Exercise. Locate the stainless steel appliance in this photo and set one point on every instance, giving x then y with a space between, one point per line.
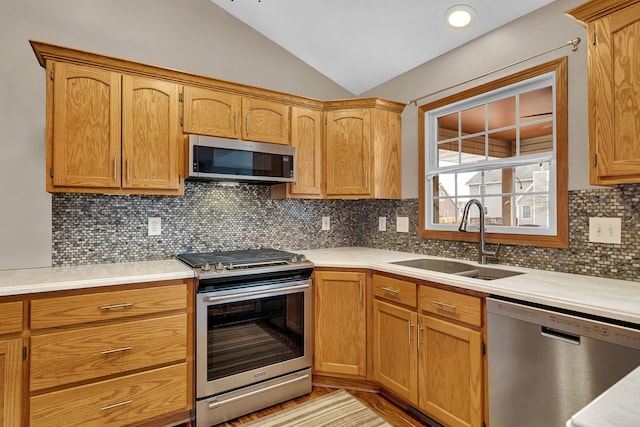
220 159
253 331
546 364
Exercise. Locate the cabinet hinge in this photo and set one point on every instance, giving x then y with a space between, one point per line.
51 172
593 39
595 160
24 353
181 97
484 424
483 349
181 121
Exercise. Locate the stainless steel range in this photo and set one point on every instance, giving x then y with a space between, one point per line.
253 331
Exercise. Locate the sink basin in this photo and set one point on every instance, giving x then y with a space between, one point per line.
458 268
440 265
486 273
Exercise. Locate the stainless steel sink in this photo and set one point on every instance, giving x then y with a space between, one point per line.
458 268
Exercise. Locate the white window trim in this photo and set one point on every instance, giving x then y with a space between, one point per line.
431 154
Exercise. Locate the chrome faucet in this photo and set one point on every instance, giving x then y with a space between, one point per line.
483 254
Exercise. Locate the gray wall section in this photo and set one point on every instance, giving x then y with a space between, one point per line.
190 35
530 35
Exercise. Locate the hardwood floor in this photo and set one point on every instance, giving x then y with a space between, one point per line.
393 414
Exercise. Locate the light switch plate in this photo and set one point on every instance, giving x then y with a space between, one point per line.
382 223
605 230
402 224
155 226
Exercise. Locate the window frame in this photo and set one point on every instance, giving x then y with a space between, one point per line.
559 239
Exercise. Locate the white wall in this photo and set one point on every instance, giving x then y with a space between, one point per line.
188 35
533 34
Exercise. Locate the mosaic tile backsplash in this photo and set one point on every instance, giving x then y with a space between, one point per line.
91 229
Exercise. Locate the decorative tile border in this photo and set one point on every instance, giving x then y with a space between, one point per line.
91 229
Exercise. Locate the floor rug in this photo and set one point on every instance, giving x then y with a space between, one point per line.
335 409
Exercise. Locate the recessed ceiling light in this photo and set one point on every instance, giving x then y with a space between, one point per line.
460 15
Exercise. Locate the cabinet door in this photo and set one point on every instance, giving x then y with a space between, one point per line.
86 126
265 121
340 323
306 137
450 373
150 134
348 160
395 359
10 382
213 113
615 97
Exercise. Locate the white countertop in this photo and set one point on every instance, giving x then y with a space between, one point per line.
617 407
615 299
32 280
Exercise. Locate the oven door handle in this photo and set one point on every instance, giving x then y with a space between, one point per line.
255 293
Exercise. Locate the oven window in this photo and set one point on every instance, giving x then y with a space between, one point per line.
247 335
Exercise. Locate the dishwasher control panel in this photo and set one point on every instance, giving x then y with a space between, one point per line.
567 323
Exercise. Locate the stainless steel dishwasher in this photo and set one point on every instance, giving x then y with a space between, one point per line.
545 365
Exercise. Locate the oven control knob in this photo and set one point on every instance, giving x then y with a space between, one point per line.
230 266
294 259
302 258
219 266
206 266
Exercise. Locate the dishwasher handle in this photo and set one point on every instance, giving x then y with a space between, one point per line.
559 335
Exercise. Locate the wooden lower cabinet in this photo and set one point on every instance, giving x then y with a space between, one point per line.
395 356
111 357
10 382
340 323
450 373
118 402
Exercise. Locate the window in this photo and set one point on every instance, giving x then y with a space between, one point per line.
505 144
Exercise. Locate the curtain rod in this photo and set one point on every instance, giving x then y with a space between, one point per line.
573 42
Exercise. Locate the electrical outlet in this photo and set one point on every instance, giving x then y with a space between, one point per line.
382 223
402 224
326 224
155 226
605 230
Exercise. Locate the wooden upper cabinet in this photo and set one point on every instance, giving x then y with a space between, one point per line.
215 113
614 89
210 112
86 123
362 156
306 137
150 134
348 160
265 121
111 132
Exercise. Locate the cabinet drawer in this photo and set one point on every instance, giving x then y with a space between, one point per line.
116 402
396 290
78 309
11 317
78 355
462 307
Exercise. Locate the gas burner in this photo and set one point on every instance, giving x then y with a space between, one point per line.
240 262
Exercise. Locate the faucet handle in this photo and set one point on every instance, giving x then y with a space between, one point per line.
493 253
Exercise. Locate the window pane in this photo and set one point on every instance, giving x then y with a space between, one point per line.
532 178
472 120
502 144
536 105
448 127
448 154
533 211
497 213
536 138
473 149
502 113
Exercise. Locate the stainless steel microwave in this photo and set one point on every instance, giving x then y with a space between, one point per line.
220 159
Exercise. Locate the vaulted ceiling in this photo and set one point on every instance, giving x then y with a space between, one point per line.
361 44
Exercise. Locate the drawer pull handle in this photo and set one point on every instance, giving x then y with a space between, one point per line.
116 405
111 307
117 350
393 291
442 304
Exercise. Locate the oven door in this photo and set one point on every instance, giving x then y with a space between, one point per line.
251 333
